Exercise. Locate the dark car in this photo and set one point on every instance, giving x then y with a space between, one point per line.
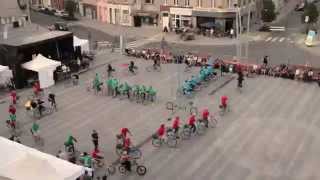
61 26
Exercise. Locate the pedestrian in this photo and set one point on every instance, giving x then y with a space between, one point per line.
231 32
95 139
13 95
211 32
265 60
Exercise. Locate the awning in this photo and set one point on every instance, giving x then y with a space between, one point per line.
83 43
215 14
5 74
145 13
181 11
24 163
44 67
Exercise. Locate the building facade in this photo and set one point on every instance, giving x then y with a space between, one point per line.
57 4
88 8
12 13
196 13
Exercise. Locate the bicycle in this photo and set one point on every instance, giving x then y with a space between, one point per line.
223 109
187 132
171 140
134 152
171 106
141 170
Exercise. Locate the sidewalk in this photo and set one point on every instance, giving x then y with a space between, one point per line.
117 30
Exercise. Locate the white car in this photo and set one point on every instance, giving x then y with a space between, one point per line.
60 13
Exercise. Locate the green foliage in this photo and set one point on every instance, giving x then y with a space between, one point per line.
70 7
311 11
268 13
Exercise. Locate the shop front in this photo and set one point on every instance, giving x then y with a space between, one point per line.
180 17
145 18
222 21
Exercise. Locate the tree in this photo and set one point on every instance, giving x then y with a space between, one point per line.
70 7
268 13
311 11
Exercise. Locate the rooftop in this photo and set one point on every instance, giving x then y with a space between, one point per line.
29 34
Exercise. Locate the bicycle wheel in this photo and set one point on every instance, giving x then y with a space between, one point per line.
141 170
156 142
200 129
186 133
213 122
172 142
122 169
111 170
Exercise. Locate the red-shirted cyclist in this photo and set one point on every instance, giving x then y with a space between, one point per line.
176 125
224 101
192 123
205 116
161 131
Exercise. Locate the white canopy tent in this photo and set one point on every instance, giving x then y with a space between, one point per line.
21 162
83 43
5 74
44 67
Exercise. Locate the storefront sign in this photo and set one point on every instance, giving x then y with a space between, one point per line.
181 11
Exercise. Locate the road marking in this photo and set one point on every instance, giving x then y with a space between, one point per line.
268 39
274 39
281 39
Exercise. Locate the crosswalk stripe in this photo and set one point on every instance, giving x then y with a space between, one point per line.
274 39
268 39
281 39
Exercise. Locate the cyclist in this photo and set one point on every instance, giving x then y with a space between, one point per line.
12 121
110 70
125 160
12 109
240 79
96 83
35 129
205 116
132 67
86 160
224 101
124 132
97 156
52 100
187 87
151 93
176 125
69 144
127 144
192 123
156 63
161 131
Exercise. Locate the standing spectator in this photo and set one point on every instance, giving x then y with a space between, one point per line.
95 139
265 60
231 32
211 32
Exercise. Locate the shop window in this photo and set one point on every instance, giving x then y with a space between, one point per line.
148 1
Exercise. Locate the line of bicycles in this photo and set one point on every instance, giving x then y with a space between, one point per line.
198 82
135 93
173 135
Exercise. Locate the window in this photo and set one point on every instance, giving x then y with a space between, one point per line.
199 3
187 2
165 2
148 1
125 16
175 2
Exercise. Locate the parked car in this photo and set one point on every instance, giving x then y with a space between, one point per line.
61 13
59 26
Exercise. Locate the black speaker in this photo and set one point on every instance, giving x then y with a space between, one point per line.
15 24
